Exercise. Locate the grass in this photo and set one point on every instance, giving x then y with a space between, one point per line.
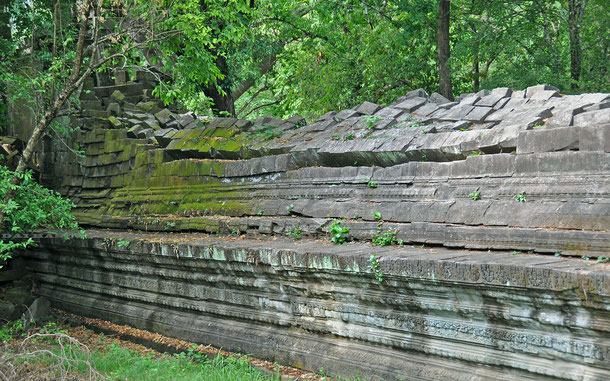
62 352
117 363
123 364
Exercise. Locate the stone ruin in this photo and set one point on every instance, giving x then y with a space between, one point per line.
499 200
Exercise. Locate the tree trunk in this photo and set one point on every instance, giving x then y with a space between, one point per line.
576 10
476 71
264 66
444 52
222 102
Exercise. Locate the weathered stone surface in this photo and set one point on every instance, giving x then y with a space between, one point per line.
558 139
592 118
164 116
532 90
478 113
7 311
417 93
389 113
120 77
37 311
438 99
439 313
18 295
115 122
411 104
368 108
113 109
595 138
427 109
118 96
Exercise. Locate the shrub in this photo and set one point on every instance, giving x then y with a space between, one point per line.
32 207
338 233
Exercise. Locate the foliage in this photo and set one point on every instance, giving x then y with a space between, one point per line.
338 233
376 268
476 195
33 207
10 329
386 239
338 54
520 197
289 208
124 244
295 233
371 121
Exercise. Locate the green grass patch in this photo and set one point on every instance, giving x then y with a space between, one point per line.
123 364
117 363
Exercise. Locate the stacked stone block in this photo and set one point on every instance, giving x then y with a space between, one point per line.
417 162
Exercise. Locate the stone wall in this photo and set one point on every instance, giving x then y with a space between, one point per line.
502 171
439 172
437 315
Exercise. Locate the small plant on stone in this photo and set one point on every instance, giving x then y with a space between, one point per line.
372 184
475 153
169 225
585 258
349 136
520 197
476 195
376 268
295 233
123 244
356 215
335 137
260 212
338 233
235 232
515 252
384 239
387 238
601 259
371 121
558 254
289 208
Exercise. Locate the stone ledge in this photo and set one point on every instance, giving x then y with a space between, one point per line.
311 304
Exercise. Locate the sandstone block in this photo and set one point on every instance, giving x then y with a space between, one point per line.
368 108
